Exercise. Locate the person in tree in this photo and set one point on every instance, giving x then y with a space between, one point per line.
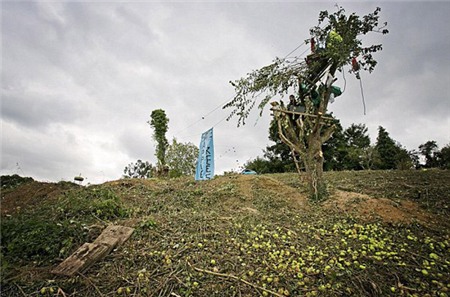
292 103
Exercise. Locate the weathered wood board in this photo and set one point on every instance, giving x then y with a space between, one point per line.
114 235
89 253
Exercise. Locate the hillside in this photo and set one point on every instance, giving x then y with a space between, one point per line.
381 233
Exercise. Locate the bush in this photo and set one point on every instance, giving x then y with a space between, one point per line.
38 238
100 202
13 181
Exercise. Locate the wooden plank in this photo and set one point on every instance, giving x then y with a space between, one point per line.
82 259
89 253
114 235
301 113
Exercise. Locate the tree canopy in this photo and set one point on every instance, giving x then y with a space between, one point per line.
140 169
181 158
160 124
338 38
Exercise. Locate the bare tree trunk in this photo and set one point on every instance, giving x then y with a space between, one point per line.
314 168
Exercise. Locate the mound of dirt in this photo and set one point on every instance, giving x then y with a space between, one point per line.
245 190
29 195
250 187
370 208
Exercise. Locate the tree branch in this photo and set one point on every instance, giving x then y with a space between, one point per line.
223 275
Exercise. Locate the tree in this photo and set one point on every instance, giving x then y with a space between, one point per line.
368 157
415 159
386 150
358 152
334 149
405 158
260 165
430 151
181 158
139 169
159 122
444 157
390 154
338 44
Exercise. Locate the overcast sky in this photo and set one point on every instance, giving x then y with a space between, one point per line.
80 79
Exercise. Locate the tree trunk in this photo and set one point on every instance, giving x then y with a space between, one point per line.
314 168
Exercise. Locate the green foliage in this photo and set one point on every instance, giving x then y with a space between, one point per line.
160 124
13 181
277 78
435 158
339 43
38 238
334 149
272 80
348 149
430 151
54 228
357 143
97 202
444 157
349 28
404 159
389 154
344 150
356 136
277 157
271 165
206 239
140 169
181 158
279 153
386 149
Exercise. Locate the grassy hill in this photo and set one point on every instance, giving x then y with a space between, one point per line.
381 233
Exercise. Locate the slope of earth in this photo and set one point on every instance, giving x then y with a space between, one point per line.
234 236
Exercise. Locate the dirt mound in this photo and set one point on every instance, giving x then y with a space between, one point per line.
369 208
133 183
252 188
30 194
241 193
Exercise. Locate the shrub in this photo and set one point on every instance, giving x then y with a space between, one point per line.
38 238
100 202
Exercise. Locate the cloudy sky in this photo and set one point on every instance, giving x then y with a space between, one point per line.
80 78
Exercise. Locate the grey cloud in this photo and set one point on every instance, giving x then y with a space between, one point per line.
38 110
138 143
96 71
52 155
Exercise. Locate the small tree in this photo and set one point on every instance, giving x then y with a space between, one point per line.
139 169
335 43
430 151
386 150
159 122
335 149
444 157
181 158
390 154
357 147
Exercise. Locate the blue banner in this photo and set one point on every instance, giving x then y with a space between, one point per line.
205 163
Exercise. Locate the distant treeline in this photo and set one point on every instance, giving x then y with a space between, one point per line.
351 149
